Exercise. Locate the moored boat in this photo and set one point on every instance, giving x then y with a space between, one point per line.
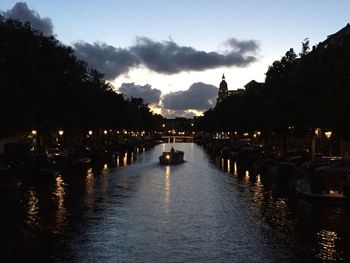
307 189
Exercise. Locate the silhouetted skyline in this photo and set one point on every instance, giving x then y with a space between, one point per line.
164 51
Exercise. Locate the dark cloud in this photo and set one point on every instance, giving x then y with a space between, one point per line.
20 11
243 46
109 60
168 57
165 57
199 96
149 95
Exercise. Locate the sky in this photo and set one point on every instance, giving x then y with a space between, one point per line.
173 53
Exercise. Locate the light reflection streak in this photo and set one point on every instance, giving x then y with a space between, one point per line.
104 180
246 176
282 215
118 164
125 159
89 182
235 173
105 169
327 247
60 196
258 191
222 164
33 208
132 157
167 184
228 165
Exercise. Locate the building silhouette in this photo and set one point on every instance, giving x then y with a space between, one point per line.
223 90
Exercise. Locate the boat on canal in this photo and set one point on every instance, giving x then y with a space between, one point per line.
172 157
304 189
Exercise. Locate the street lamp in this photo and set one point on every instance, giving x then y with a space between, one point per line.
60 132
328 134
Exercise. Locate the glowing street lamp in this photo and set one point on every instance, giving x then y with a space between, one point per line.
60 132
34 132
328 134
90 132
105 132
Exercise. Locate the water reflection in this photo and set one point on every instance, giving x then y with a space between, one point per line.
235 171
89 186
104 180
167 184
59 195
258 189
246 176
188 213
327 247
125 159
32 217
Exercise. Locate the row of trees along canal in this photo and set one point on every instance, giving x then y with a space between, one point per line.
45 87
302 93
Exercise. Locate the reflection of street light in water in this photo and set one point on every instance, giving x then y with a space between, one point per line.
235 172
327 245
167 184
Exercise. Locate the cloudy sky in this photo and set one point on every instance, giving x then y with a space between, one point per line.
173 53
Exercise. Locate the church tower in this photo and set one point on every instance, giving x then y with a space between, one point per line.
223 90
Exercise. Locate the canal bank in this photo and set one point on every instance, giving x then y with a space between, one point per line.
144 212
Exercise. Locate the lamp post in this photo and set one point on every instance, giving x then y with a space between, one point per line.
328 135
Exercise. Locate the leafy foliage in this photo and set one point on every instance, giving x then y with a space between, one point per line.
304 91
44 86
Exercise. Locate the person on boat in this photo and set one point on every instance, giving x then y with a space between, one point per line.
172 149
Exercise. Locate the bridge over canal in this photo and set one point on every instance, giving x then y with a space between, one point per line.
177 138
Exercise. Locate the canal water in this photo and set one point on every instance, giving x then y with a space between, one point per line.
145 212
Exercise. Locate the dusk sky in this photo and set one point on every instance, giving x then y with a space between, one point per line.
173 53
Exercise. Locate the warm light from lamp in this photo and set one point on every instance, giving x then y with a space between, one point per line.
60 132
34 132
168 156
90 132
328 134
105 131
317 131
245 134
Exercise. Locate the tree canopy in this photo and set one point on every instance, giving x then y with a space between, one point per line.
302 91
44 86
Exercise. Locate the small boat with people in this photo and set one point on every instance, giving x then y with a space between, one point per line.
172 157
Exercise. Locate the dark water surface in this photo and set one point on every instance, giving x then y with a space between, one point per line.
144 212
